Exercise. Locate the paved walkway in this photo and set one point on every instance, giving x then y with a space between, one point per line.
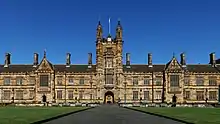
111 114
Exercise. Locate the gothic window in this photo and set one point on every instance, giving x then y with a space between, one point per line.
158 81
59 81
80 94
146 95
199 81
135 81
31 94
6 94
135 95
174 80
81 81
71 81
186 81
212 95
200 95
19 81
109 79
158 95
146 81
109 63
32 80
187 95
44 80
90 96
212 81
7 81
19 95
70 94
59 94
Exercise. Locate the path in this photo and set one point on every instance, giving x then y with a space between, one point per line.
111 114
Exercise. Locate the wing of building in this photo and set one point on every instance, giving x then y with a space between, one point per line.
109 80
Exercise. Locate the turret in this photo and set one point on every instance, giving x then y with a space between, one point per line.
119 31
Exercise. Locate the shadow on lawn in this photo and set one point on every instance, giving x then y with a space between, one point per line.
150 113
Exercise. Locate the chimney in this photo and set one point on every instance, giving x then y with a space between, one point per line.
89 60
128 60
212 59
35 59
7 59
183 60
150 60
68 61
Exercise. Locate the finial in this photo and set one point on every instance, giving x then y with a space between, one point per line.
44 53
173 55
119 21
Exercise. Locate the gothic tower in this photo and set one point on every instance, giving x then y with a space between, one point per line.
109 65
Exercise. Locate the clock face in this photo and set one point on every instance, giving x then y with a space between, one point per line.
109 39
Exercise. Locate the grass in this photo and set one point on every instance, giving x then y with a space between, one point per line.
26 115
193 115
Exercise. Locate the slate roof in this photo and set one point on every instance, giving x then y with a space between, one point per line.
133 68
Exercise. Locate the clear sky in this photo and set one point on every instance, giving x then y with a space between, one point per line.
162 27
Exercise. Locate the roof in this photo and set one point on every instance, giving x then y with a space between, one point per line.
144 68
133 68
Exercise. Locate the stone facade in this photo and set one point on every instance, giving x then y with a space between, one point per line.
109 80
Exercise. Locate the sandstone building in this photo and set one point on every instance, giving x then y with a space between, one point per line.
109 80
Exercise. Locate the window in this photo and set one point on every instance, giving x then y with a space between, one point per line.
31 94
109 79
135 81
158 95
199 95
80 94
146 95
90 96
19 94
7 95
59 94
44 80
158 81
212 81
146 81
135 95
174 80
109 63
70 94
32 80
212 95
19 81
59 81
186 81
7 81
199 81
81 81
71 81
187 95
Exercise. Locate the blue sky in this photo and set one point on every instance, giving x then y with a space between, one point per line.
162 27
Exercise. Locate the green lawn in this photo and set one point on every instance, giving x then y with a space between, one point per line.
194 115
26 115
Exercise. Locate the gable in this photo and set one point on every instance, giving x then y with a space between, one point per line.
45 65
173 65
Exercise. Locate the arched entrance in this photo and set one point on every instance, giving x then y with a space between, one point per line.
109 97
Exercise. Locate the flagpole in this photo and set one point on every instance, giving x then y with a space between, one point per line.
109 25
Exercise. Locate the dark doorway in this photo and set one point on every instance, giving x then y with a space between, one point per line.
109 97
174 98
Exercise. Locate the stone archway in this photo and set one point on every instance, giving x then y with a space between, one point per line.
109 97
